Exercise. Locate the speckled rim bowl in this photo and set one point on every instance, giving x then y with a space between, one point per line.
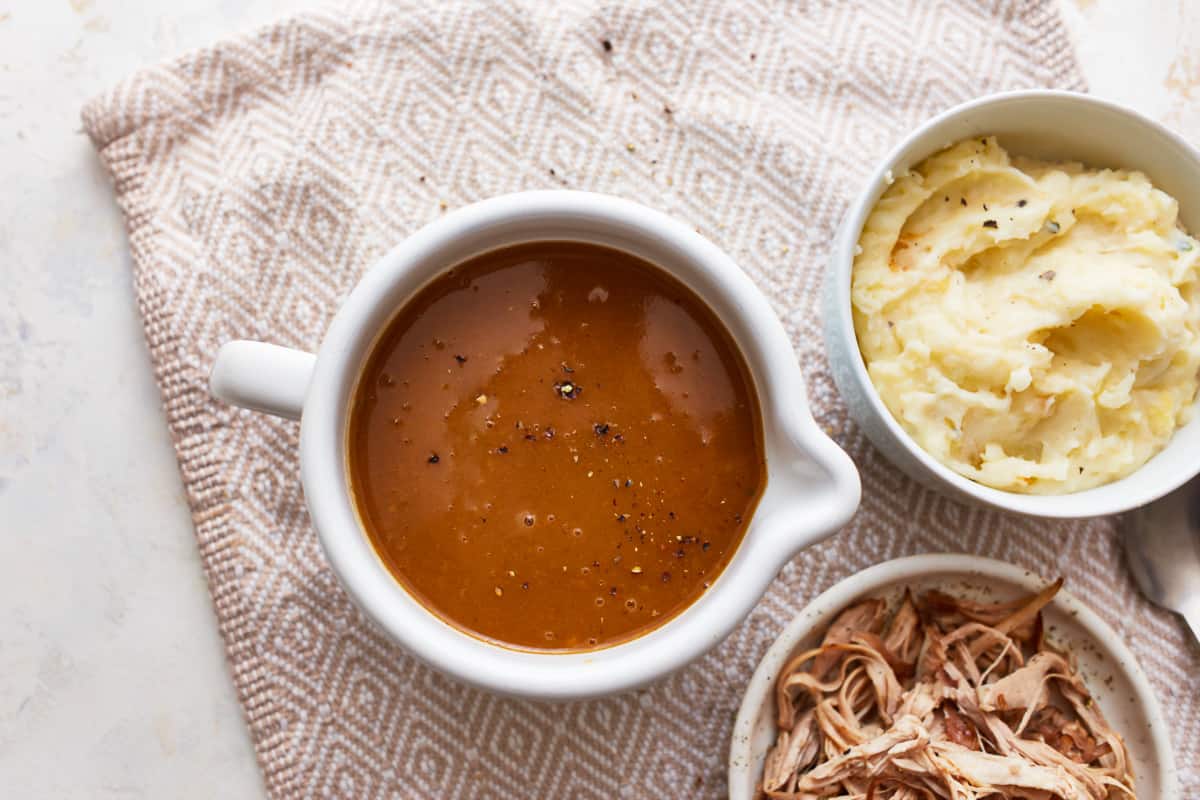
1045 124
1109 669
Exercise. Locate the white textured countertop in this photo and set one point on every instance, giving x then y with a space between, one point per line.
113 678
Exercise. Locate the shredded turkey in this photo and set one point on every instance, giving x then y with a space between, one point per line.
941 698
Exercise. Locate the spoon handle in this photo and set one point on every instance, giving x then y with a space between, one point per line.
1190 611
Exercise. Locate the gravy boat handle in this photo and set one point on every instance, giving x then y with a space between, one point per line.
262 377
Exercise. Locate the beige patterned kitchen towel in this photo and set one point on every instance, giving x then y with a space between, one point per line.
262 176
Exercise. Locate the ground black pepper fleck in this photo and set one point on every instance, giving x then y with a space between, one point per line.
601 428
990 223
962 200
460 359
1022 203
433 459
502 449
607 45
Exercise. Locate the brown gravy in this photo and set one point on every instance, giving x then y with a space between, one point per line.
556 446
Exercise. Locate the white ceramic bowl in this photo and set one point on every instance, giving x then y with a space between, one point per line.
812 486
1044 124
1112 675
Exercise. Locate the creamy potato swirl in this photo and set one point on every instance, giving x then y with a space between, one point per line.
1035 326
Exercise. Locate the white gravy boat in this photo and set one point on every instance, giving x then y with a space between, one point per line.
812 486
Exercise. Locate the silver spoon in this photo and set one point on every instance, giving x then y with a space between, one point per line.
1162 544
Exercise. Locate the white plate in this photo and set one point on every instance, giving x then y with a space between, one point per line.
1108 668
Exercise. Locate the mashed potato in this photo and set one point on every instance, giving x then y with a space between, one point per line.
1035 326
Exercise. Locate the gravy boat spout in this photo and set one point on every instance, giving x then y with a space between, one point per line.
813 489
